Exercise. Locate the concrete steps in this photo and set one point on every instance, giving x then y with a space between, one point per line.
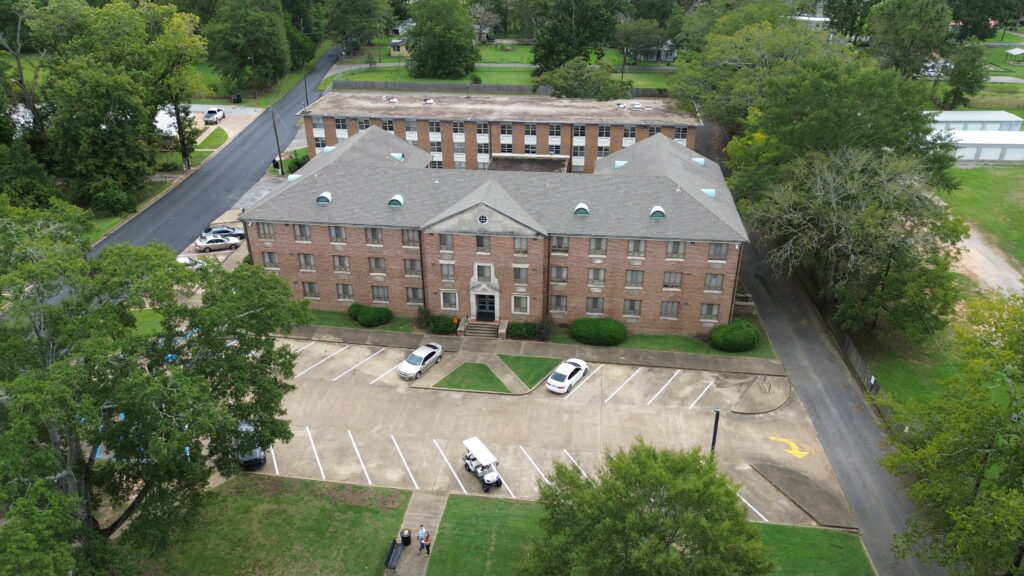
476 330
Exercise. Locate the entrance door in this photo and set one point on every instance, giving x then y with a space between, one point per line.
485 307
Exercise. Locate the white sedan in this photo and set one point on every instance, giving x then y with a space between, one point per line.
214 242
420 360
567 375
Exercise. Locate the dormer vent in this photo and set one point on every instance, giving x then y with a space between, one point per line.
324 198
657 212
398 156
699 161
619 164
581 209
710 192
293 177
396 201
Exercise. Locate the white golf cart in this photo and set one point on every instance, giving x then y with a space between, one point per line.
479 460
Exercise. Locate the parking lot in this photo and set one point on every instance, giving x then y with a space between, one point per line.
355 421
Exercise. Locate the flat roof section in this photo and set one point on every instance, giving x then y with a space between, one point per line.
976 116
541 109
988 138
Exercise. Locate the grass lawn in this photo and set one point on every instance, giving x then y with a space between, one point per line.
799 551
269 525
101 226
511 76
341 319
992 198
906 370
472 376
215 140
531 370
998 97
506 54
147 321
484 536
998 65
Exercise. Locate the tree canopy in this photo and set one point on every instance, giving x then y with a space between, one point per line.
577 79
907 33
352 23
648 511
442 40
848 17
980 18
638 36
249 43
574 28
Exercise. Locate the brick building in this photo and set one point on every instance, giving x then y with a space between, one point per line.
651 238
469 131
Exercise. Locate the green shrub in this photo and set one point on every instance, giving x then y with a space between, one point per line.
370 316
423 318
443 324
296 162
737 336
599 331
545 327
522 330
353 311
476 79
247 259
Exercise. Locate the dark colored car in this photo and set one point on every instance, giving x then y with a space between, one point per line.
249 458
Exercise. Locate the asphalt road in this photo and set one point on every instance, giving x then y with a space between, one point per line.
846 426
178 217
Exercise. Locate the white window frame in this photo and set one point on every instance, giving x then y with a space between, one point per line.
453 293
525 297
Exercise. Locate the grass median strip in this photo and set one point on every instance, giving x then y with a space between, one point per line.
530 369
216 138
472 376
488 536
798 551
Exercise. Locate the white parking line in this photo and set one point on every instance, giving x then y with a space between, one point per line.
635 372
454 475
577 387
653 398
535 467
505 484
360 457
311 342
322 361
761 516
577 464
402 456
712 383
273 458
315 455
393 368
357 365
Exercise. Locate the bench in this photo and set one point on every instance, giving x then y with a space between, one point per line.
394 553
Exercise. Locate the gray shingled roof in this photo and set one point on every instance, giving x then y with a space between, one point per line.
620 201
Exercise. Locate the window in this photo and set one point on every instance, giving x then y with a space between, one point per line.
445 242
554 149
520 246
598 246
717 251
379 293
458 127
629 131
449 300
673 280
412 267
482 128
265 230
337 233
636 248
433 126
270 260
448 272
670 309
530 129
483 244
558 303
410 125
713 282
506 148
579 130
631 307
388 125
318 122
634 278
559 244
595 276
410 237
435 146
602 151
319 142
520 274
414 295
578 151
301 232
709 312
345 291
559 274
364 123
310 290
340 124
341 264
483 148
520 304
374 236
436 164
595 305
459 147
460 165
307 262
681 133
377 265
506 128
555 130
529 148
675 249
604 131
483 272
652 130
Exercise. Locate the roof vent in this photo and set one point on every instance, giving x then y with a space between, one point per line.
293 177
620 106
428 100
711 192
657 212
638 106
393 100
582 209
398 156
396 201
329 149
324 198
620 164
699 161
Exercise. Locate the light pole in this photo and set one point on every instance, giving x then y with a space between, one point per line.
714 433
252 72
277 141
305 90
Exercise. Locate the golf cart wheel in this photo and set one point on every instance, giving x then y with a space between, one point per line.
467 467
487 487
498 483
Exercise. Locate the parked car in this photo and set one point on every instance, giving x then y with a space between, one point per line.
191 263
253 458
214 115
566 375
221 230
214 242
420 360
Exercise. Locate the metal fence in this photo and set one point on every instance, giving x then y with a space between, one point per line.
382 86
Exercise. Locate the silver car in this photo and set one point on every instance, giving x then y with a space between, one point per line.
214 242
420 360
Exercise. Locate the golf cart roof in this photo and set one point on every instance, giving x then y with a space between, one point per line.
482 454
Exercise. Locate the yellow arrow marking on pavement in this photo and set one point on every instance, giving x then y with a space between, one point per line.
793 448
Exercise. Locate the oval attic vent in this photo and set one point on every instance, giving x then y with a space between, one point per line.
657 212
324 198
396 201
582 209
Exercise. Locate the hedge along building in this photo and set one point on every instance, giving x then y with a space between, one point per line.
652 238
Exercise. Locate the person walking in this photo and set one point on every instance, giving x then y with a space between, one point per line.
421 534
426 543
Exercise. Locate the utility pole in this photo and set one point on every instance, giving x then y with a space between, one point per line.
305 90
277 141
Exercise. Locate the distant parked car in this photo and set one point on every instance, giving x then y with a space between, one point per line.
566 375
224 231
214 242
214 115
191 263
420 361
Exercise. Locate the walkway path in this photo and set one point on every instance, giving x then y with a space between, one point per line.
425 508
988 266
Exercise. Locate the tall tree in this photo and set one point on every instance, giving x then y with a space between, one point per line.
723 17
907 33
649 511
577 79
574 28
352 23
638 36
981 18
969 73
848 17
442 40
248 43
865 226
